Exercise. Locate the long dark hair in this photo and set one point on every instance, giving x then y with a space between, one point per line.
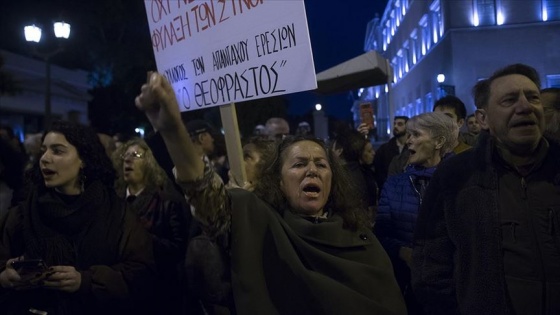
97 165
343 200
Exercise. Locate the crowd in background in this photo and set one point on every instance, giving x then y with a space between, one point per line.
457 213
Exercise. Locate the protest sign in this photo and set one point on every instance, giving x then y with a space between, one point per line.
217 52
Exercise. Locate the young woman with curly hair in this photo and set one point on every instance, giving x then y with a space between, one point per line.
99 258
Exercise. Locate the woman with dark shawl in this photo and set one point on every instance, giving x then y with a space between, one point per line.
99 259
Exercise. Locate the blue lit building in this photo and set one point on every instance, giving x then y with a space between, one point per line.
465 41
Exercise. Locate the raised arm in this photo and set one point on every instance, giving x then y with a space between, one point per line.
204 190
157 100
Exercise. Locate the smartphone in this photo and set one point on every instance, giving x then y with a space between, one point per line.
29 265
366 114
31 271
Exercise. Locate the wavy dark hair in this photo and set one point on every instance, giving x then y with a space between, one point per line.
97 165
265 147
353 145
343 200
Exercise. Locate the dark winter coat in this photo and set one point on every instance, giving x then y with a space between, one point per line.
458 259
398 208
95 234
162 212
383 157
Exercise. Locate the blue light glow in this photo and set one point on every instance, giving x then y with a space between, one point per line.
475 20
500 18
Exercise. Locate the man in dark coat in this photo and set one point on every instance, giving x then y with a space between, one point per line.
389 150
488 237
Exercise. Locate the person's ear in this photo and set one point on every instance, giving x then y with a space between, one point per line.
482 119
282 186
200 138
460 122
439 142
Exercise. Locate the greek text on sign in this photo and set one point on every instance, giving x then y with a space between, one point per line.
217 52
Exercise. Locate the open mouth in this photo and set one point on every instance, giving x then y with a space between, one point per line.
128 169
311 190
524 123
47 172
412 152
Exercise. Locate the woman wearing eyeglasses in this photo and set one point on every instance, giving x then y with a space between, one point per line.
161 209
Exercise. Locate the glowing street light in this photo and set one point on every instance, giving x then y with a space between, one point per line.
33 34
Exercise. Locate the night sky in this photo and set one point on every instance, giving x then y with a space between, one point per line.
337 31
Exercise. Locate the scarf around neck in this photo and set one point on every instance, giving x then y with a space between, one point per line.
55 231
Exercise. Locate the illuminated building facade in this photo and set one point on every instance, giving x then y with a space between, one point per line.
457 43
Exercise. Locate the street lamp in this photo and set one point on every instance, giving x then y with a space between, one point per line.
320 123
444 89
33 34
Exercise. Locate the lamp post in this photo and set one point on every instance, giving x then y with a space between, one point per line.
440 79
444 89
33 34
320 123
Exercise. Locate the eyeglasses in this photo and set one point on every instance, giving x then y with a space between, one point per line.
133 155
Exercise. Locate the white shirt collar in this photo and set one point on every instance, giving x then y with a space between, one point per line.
137 194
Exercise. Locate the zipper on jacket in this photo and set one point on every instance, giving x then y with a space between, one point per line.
524 187
415 189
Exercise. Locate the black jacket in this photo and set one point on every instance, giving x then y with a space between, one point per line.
458 261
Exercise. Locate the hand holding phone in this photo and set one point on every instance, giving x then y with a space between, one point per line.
31 271
366 115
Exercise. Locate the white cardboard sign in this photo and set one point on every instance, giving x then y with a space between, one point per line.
218 52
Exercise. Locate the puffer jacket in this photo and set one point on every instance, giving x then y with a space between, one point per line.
400 200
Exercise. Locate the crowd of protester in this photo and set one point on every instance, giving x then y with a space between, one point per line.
435 221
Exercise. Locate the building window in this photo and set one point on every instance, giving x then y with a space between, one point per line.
553 80
484 12
387 32
398 12
437 23
428 103
419 46
393 24
550 10
395 69
419 108
413 53
407 55
384 39
400 63
500 16
426 39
